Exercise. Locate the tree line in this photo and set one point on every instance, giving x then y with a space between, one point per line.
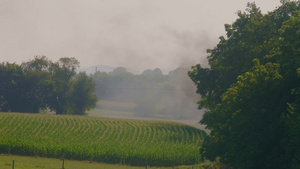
153 93
41 84
251 90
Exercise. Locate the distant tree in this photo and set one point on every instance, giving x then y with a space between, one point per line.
81 95
11 88
39 63
61 74
119 70
37 83
155 72
155 94
153 76
101 79
25 87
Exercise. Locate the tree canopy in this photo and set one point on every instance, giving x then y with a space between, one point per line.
40 84
251 90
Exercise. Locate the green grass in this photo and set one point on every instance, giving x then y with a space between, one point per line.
157 143
24 162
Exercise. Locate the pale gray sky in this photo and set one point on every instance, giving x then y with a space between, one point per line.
139 34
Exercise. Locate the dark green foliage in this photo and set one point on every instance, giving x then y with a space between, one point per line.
61 74
11 85
250 90
79 96
39 84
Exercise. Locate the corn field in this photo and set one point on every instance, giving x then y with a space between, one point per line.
133 142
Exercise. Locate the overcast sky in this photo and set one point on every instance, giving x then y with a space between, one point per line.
140 34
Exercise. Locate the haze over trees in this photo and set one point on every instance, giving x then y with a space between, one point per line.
251 90
153 94
40 84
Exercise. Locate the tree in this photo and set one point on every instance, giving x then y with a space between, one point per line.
11 90
25 87
81 95
247 90
287 54
37 83
61 73
232 56
245 125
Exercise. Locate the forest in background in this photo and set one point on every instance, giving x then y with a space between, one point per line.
151 93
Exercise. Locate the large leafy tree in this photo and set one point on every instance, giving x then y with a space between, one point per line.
61 72
11 81
287 54
22 88
250 90
25 87
81 95
37 83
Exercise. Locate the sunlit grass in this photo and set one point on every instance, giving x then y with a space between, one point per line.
24 162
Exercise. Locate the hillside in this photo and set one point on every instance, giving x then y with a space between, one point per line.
136 142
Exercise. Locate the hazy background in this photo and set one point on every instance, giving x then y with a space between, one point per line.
140 34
